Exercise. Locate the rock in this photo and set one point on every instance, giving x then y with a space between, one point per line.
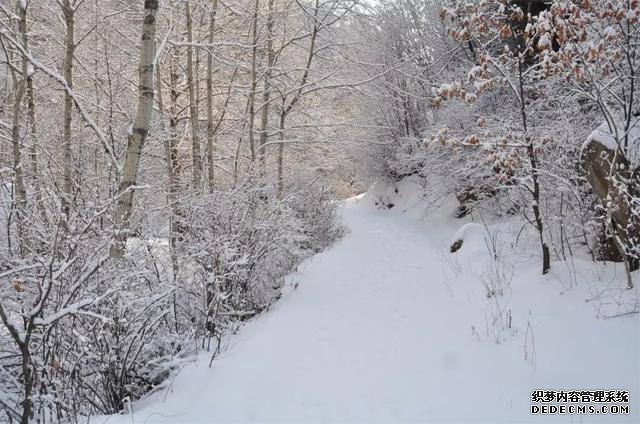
606 169
455 246
468 231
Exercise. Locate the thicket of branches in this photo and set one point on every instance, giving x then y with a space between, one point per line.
504 98
163 166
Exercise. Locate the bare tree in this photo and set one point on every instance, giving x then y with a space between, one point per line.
20 85
140 128
193 106
68 11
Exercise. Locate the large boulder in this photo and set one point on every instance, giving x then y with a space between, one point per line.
611 174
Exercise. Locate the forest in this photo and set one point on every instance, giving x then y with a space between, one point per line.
167 165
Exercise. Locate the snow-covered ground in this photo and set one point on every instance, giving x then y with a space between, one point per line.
388 326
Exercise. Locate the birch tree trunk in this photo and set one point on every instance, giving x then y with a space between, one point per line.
140 129
171 177
171 145
173 121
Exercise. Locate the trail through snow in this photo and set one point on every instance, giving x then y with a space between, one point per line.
378 330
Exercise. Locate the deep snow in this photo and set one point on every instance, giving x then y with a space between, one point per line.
388 326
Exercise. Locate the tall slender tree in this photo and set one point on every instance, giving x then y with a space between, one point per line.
140 127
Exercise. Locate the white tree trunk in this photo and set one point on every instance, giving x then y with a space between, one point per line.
140 128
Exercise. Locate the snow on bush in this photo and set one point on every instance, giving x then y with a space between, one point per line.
84 331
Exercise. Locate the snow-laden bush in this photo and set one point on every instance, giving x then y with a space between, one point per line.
233 253
85 331
318 212
82 330
239 244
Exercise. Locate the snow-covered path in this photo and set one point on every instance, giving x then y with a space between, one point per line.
377 332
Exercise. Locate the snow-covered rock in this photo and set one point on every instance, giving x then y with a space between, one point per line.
468 232
608 168
609 137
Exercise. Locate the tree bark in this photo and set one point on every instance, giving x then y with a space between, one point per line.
254 79
535 192
173 121
171 178
193 107
69 19
140 128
